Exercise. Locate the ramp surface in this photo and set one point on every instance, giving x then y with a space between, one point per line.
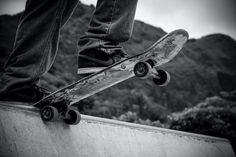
24 134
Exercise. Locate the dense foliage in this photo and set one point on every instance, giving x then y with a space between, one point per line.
216 116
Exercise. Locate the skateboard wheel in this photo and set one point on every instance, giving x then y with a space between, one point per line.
74 117
161 78
141 69
49 113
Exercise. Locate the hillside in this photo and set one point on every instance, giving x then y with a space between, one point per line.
204 67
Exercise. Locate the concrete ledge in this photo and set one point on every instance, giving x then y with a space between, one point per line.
24 134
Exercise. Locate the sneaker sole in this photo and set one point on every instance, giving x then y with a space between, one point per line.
89 70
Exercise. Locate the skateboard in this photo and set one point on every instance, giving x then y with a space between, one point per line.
59 103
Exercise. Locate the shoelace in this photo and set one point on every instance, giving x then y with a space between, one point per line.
118 55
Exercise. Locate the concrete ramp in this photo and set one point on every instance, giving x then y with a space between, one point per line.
24 134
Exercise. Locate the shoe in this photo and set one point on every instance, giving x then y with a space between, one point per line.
31 95
93 60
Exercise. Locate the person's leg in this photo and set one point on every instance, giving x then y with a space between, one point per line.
111 24
35 46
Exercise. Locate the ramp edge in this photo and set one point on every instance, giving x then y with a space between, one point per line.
19 106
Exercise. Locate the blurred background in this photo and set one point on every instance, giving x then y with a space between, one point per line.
201 96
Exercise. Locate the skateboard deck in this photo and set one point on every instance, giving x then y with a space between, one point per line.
141 65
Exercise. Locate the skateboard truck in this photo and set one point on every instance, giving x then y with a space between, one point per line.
62 111
145 69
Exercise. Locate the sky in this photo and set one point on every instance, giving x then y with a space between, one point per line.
198 17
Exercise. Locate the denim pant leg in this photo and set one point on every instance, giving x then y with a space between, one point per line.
36 43
111 23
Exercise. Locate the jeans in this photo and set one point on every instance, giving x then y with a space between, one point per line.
37 37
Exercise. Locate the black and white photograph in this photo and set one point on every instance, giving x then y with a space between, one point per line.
117 78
